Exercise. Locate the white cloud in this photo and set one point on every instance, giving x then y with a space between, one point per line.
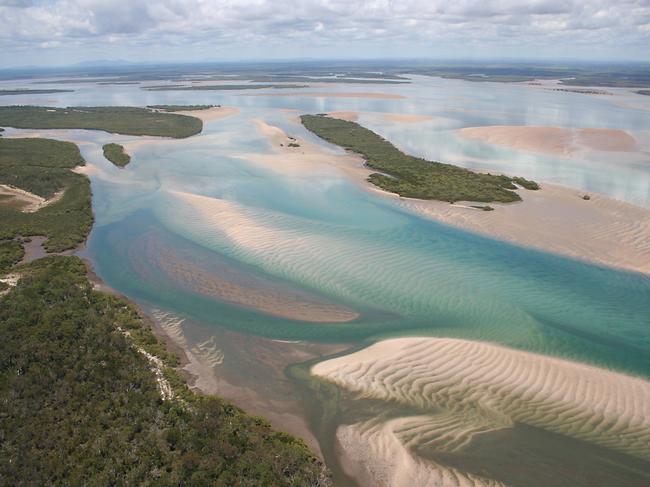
154 29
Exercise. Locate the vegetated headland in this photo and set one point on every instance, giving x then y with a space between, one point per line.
90 395
411 176
31 92
119 120
644 92
116 154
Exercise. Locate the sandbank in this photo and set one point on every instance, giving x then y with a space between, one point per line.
552 140
210 114
228 285
406 117
556 219
472 388
332 94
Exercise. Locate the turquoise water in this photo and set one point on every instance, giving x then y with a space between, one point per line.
317 232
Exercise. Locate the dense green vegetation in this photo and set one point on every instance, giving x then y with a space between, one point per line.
81 406
181 108
11 252
31 92
644 92
42 167
410 176
219 87
115 153
120 120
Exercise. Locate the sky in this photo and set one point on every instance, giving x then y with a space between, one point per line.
62 32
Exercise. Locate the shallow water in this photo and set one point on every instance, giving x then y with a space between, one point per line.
186 215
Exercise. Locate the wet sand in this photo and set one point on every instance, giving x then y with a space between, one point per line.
552 140
464 389
554 219
248 371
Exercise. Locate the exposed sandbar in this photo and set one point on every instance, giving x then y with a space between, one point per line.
471 388
406 117
552 140
210 114
557 219
256 293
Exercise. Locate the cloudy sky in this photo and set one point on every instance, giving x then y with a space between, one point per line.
70 31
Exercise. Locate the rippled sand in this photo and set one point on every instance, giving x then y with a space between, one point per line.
255 293
552 140
472 388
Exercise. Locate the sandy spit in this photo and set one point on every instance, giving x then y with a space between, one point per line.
552 140
210 114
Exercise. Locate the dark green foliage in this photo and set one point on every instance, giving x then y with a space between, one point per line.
11 252
412 176
80 405
31 92
181 108
644 92
115 153
42 166
120 120
294 144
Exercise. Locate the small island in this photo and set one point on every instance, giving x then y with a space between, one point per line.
118 120
116 154
414 177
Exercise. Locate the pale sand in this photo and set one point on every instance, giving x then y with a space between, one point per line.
554 219
330 94
210 114
473 387
552 140
28 202
557 219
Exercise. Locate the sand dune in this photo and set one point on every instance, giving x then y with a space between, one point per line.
489 386
552 140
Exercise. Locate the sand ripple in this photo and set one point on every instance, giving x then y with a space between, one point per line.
482 387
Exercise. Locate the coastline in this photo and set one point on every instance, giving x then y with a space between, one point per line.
555 219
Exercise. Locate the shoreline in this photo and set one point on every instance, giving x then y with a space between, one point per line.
555 219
